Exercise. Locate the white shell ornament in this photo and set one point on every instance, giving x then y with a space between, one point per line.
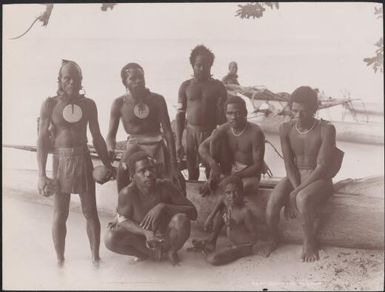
141 110
72 113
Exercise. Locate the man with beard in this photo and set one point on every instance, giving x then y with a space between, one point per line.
63 122
200 102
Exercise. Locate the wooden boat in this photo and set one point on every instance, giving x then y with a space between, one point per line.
353 217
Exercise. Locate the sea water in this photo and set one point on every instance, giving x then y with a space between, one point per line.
31 66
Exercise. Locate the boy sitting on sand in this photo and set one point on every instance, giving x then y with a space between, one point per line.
236 216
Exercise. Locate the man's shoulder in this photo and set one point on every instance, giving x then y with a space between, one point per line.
286 126
128 192
164 183
186 83
326 127
326 124
217 82
255 128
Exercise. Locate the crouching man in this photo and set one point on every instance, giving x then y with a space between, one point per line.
153 217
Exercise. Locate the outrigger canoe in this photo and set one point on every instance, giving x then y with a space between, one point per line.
356 132
353 217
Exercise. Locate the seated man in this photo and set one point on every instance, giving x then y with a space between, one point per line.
236 147
311 160
153 217
237 217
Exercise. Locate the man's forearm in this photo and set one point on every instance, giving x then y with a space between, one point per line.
316 174
111 143
188 210
180 120
171 148
292 175
101 149
132 227
42 153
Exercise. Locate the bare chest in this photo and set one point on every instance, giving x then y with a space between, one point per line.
202 93
70 114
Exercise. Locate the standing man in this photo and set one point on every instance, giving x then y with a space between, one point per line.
143 115
311 160
200 101
153 217
236 147
68 114
231 77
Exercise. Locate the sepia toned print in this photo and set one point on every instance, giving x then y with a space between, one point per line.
250 155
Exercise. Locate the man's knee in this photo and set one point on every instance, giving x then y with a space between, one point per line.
90 212
111 239
303 202
180 221
61 215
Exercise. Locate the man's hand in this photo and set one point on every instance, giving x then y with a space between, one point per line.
46 186
151 239
291 210
111 155
175 177
151 220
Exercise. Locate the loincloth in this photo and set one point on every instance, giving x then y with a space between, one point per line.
194 137
72 168
304 173
154 146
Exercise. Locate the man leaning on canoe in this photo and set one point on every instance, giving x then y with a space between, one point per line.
153 213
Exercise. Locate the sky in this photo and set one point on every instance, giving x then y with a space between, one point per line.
313 21
317 44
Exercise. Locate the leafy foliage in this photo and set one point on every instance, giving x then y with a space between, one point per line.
377 61
254 9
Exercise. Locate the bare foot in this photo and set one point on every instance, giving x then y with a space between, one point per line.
60 262
205 245
96 261
173 257
309 252
265 248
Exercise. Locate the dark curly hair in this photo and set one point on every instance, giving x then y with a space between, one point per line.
135 157
305 95
123 72
234 180
201 50
237 100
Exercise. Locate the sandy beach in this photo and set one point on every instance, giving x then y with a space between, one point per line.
29 260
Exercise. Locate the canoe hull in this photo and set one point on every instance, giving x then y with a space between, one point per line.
349 220
354 220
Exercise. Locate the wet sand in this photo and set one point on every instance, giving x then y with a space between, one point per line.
29 261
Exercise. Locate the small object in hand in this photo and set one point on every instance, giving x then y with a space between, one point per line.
50 188
101 174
